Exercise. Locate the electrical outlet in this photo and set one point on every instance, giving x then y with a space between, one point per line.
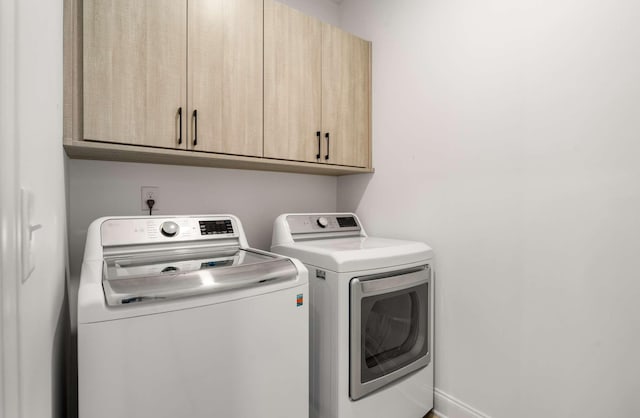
149 192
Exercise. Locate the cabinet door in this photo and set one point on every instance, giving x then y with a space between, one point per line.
225 76
134 75
292 83
346 82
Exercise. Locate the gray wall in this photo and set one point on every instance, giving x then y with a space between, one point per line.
506 136
103 188
326 10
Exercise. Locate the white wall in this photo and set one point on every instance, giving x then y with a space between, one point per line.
32 121
506 135
102 188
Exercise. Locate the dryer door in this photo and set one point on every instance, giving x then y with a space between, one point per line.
389 328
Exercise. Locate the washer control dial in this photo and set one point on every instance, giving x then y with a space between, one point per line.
169 229
322 222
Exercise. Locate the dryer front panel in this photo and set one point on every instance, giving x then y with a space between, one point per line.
389 323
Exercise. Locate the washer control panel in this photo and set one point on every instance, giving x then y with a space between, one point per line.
321 223
132 231
217 227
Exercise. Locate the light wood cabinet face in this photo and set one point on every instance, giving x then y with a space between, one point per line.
346 82
263 78
292 83
134 72
225 76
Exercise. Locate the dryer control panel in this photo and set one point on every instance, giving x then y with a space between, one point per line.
322 223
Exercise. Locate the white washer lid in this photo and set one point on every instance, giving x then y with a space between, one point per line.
356 253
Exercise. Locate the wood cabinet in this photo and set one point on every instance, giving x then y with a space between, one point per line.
346 81
292 83
225 76
228 83
317 90
135 74
135 77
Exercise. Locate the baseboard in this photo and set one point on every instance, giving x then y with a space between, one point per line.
446 406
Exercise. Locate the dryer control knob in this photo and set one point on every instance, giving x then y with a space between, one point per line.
322 222
169 229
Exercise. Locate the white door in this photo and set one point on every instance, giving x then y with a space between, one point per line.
33 310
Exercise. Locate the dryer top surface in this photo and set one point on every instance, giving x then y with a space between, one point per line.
356 253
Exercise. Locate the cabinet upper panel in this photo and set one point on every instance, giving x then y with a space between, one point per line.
134 73
293 83
225 75
346 82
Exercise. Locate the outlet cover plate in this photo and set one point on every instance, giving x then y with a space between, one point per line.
149 192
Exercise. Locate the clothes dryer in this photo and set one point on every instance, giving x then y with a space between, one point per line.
371 319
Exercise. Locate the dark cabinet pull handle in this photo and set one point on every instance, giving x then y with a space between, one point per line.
180 125
326 157
195 127
318 134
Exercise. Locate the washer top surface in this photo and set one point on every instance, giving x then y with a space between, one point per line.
136 266
340 248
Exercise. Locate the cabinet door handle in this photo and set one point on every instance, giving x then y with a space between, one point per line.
180 125
326 157
195 127
318 134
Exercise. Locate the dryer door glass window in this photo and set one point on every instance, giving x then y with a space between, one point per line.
390 331
389 327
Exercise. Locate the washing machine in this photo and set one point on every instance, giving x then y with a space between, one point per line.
371 319
178 317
